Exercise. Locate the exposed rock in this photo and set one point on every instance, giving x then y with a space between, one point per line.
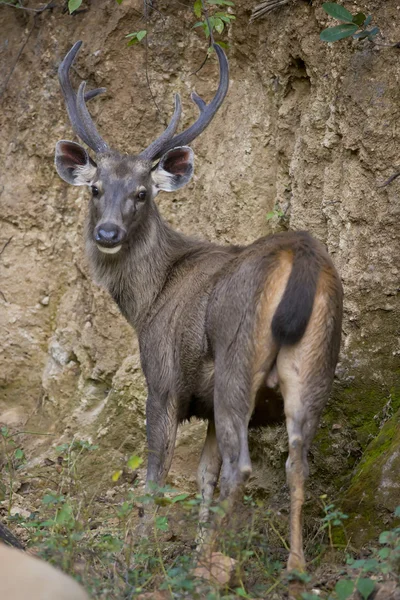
218 569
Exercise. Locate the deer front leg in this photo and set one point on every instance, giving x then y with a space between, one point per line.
207 478
162 425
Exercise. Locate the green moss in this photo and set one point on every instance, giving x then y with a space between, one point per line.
373 493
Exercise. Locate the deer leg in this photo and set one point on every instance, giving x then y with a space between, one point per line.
233 406
162 426
207 478
305 391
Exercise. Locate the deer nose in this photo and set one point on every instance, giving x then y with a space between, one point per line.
109 234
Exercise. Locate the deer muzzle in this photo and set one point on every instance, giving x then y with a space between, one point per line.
109 237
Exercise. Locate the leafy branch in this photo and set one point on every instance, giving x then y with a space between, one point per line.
355 26
217 21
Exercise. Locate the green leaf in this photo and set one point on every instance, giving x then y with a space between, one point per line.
52 499
337 12
119 1
19 454
359 19
220 2
309 596
64 516
344 588
365 587
385 537
132 42
197 8
179 498
333 34
222 44
367 20
162 523
384 553
140 35
397 512
116 475
219 25
228 19
73 5
135 461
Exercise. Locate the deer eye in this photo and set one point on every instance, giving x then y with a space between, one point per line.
142 195
95 190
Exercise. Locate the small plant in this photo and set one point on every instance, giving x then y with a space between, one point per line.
74 5
217 20
277 213
356 26
14 459
136 37
333 518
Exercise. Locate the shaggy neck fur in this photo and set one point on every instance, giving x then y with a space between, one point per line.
136 275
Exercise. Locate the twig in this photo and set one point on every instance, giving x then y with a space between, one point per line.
5 245
201 66
1 252
47 6
266 7
17 59
391 178
145 14
205 11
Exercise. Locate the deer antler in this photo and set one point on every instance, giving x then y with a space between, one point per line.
207 111
78 113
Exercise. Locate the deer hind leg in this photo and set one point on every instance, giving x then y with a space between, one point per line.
305 392
207 479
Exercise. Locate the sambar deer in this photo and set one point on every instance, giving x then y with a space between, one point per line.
218 326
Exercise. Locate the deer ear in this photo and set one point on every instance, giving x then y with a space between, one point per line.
174 170
74 164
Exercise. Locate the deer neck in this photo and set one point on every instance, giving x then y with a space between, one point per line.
137 274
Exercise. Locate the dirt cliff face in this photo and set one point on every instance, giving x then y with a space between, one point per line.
307 128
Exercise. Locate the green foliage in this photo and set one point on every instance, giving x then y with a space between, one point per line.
217 20
351 26
344 588
65 531
136 37
14 459
276 213
73 5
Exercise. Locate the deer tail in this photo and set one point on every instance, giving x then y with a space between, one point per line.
294 310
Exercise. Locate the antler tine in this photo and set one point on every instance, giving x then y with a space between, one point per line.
207 111
94 93
86 129
97 142
156 147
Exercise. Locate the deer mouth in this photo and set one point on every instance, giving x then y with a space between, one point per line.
109 250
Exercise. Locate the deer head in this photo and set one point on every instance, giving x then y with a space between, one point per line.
124 186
